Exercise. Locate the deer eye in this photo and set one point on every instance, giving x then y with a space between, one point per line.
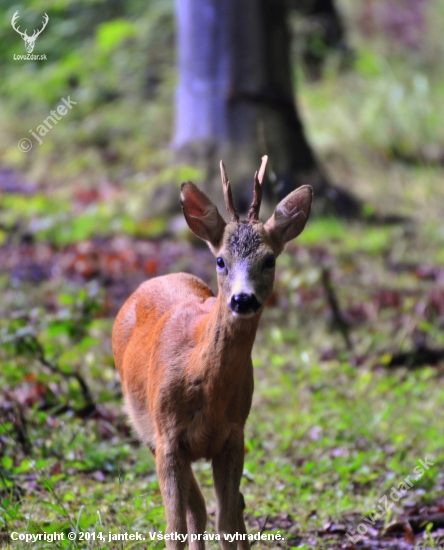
220 263
270 261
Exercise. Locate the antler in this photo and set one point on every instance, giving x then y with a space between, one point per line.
13 21
45 22
227 194
253 213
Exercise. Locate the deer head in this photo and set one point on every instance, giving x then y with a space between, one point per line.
245 250
29 40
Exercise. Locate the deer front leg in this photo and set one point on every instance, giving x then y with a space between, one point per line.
174 471
227 472
196 515
242 544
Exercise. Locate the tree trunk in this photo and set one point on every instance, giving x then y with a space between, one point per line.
235 96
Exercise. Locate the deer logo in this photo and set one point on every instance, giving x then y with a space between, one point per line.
29 40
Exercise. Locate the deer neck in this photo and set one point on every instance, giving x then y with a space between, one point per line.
227 340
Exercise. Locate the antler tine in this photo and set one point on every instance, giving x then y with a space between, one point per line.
263 168
45 22
227 194
14 21
253 213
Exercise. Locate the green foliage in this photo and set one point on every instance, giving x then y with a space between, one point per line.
111 34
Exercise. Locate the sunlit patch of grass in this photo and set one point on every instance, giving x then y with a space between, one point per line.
335 437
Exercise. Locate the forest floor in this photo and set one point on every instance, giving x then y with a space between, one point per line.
349 364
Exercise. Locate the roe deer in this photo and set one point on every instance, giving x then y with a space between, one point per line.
184 357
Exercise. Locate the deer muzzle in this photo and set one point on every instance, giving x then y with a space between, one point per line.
244 304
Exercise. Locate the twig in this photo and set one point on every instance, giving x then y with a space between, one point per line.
339 322
419 356
36 347
19 422
261 529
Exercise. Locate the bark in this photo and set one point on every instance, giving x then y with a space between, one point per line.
235 97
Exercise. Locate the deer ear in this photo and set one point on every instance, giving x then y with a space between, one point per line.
202 216
290 216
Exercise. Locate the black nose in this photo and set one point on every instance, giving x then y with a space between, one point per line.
244 303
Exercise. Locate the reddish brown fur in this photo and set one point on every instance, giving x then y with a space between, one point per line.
184 360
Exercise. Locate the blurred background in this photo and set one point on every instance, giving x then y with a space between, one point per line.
345 96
